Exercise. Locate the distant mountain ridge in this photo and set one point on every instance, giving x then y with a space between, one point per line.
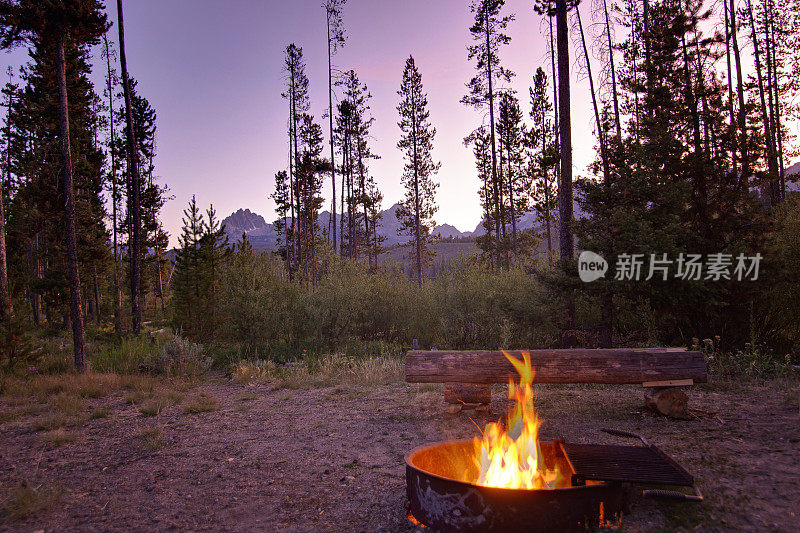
262 235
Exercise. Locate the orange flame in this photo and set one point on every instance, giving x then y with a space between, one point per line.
511 458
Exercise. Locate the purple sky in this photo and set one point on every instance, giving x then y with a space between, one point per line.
213 72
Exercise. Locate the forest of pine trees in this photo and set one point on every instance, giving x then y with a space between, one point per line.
67 146
692 115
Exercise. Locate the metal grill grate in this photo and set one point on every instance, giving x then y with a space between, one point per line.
634 464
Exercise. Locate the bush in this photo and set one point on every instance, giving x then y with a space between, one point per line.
358 311
755 360
179 357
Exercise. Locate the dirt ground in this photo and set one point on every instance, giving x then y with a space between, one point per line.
249 458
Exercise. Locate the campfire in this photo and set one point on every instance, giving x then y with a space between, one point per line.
507 480
511 457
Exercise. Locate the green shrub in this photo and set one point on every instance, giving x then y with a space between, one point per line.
358 311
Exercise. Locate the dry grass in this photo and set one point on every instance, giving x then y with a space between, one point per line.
152 438
101 412
139 391
68 403
202 403
55 420
89 385
162 398
10 415
27 499
328 370
59 437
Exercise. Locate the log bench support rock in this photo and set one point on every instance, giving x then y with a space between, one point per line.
468 375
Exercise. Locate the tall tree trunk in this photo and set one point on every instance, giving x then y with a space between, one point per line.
330 124
646 17
417 229
159 261
511 200
547 199
5 297
298 230
773 94
345 170
742 132
607 308
5 300
290 228
730 87
489 73
96 296
617 120
36 299
133 173
114 195
778 128
772 161
76 312
701 204
555 94
566 245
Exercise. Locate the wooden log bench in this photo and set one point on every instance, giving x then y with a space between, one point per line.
468 375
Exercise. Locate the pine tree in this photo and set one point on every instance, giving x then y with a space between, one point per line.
112 179
282 206
544 156
134 183
186 284
212 254
417 209
514 177
152 195
487 34
480 141
352 135
336 39
297 96
559 9
52 24
311 165
5 182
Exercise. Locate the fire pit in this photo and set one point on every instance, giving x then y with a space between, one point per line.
442 495
507 480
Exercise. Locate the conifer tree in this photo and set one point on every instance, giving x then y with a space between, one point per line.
336 39
544 156
352 135
559 9
488 36
282 206
417 209
56 24
480 141
186 277
113 180
213 252
5 296
310 168
511 136
297 96
134 183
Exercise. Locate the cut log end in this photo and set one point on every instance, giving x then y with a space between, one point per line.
467 393
668 401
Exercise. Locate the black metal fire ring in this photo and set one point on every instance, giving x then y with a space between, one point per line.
448 504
